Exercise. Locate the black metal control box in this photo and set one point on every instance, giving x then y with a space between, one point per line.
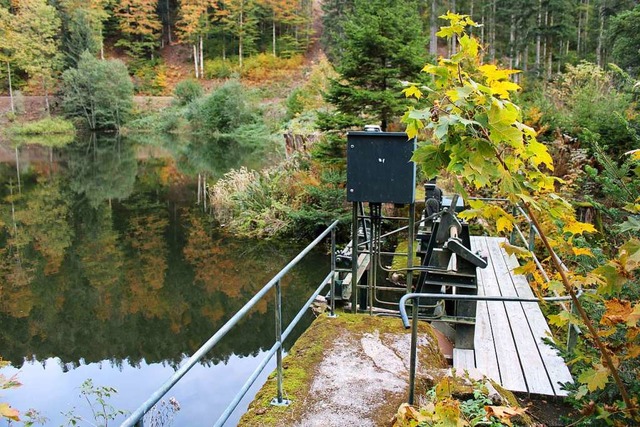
379 167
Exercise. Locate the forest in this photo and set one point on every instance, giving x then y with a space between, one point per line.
532 101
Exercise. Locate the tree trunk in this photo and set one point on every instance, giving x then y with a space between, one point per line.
539 35
168 24
492 39
433 29
195 60
512 40
47 107
241 33
273 33
13 108
579 33
201 59
599 49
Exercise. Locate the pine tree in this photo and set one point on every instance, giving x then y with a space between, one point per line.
383 45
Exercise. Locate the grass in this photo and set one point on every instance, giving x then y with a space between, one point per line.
46 126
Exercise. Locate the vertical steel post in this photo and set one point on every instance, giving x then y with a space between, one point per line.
279 400
354 259
572 335
412 221
414 349
532 237
512 236
333 273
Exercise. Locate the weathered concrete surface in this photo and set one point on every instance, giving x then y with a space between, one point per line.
352 370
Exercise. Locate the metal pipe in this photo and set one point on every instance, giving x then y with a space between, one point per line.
354 258
234 403
278 313
333 275
403 300
211 342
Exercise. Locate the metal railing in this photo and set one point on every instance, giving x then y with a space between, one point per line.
137 417
414 320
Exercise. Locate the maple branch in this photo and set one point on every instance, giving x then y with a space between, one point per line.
583 314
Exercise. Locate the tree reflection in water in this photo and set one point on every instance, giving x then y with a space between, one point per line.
104 257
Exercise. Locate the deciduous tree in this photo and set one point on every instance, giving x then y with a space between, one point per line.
99 91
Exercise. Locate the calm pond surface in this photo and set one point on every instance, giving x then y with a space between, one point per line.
112 271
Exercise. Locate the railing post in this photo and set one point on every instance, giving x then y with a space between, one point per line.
572 335
279 400
532 237
411 237
332 307
354 257
414 349
512 237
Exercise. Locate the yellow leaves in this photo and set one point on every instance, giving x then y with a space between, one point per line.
457 24
502 118
574 227
498 80
538 153
412 91
528 268
618 311
407 415
8 412
595 378
504 413
582 251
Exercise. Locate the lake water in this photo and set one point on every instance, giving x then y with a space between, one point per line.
111 270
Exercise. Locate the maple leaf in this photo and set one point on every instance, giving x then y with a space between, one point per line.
7 411
617 311
613 279
576 227
412 91
582 251
595 378
501 121
504 413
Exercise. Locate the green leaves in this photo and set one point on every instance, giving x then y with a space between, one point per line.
502 118
595 378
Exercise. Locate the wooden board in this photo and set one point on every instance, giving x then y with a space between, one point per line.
508 341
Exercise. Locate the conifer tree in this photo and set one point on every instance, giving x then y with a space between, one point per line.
382 46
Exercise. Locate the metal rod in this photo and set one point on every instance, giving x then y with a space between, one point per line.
234 404
412 222
414 351
354 258
333 275
236 401
211 342
279 339
405 298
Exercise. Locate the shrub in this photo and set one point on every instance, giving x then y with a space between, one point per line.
187 91
265 66
219 68
46 126
100 92
223 111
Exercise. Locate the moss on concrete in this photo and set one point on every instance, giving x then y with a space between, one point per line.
301 365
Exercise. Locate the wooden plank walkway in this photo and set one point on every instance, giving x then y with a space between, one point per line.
508 341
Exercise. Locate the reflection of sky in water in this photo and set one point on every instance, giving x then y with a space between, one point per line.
187 280
203 393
